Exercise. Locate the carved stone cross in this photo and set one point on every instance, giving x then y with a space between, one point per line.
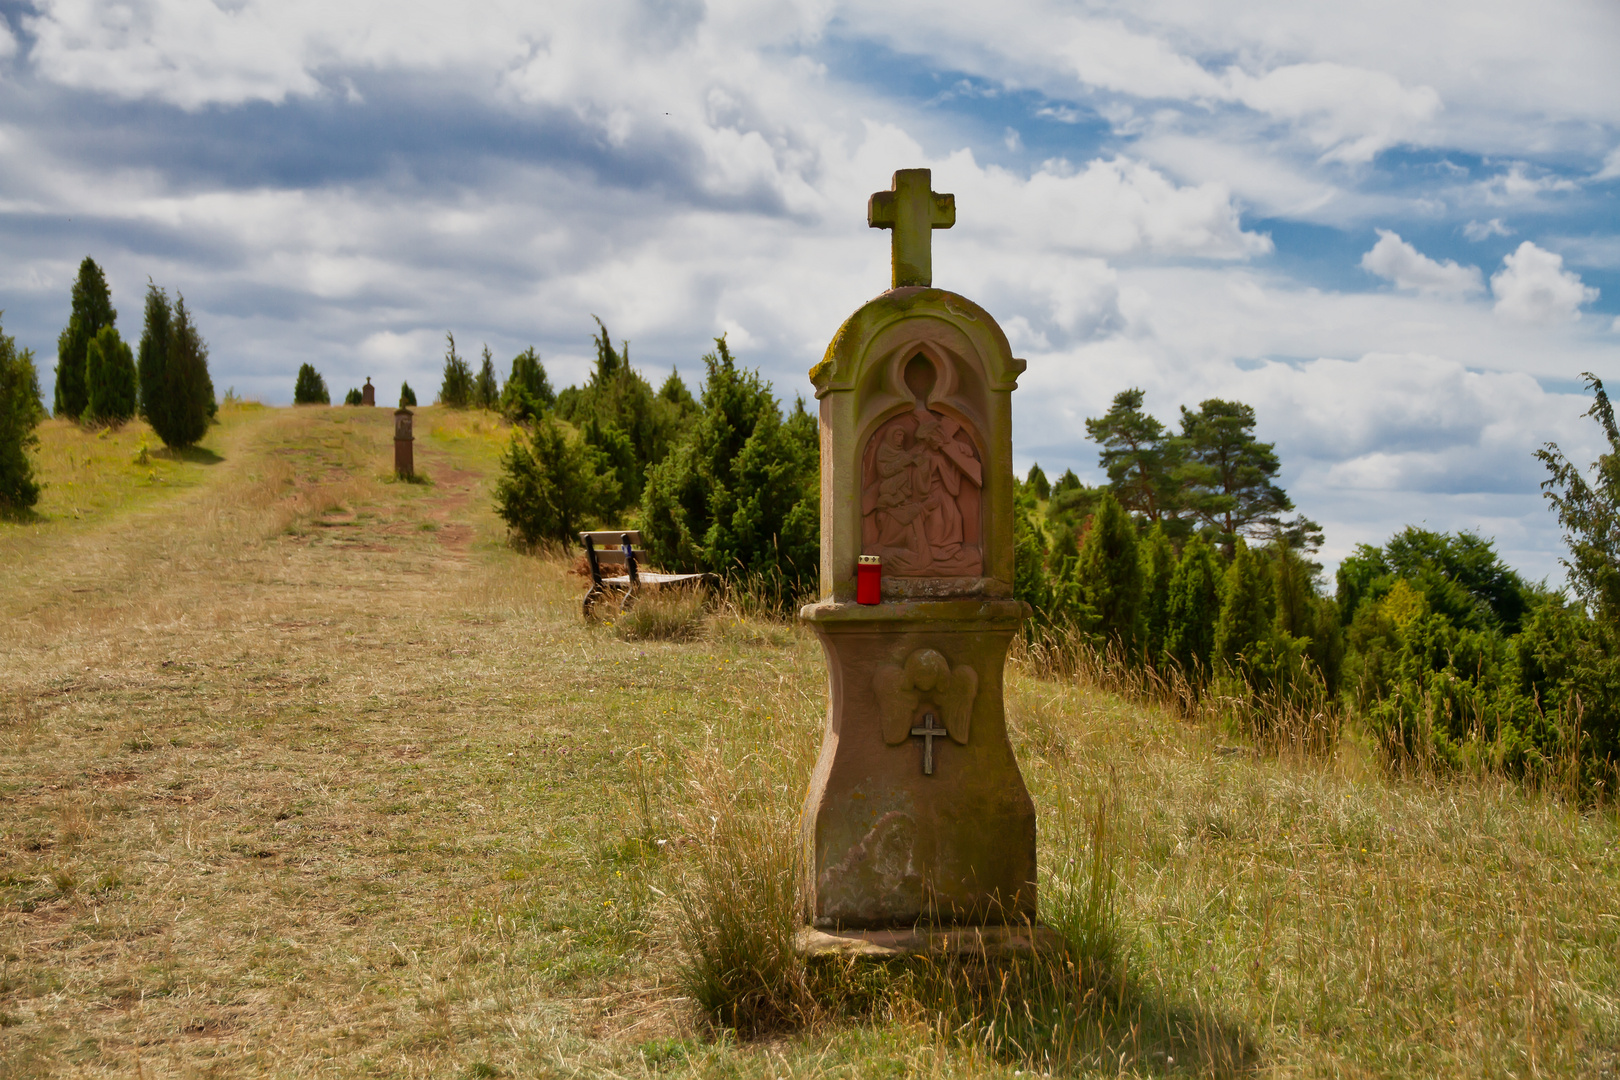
929 733
911 211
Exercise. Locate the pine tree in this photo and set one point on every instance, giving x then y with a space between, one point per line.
487 389
1226 473
1246 609
1193 608
92 310
1109 574
110 376
1139 457
20 410
456 389
152 369
310 387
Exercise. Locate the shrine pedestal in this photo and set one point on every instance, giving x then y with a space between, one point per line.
887 842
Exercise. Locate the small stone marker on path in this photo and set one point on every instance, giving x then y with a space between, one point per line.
919 834
368 393
404 458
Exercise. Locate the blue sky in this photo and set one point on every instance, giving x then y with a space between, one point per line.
1391 228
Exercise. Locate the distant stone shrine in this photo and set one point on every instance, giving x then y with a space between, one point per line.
368 393
918 831
404 455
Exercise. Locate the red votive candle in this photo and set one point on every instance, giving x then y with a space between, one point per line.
869 579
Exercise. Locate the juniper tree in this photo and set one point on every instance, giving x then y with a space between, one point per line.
20 409
310 387
1246 608
1037 483
675 392
527 393
740 491
407 396
153 365
92 310
550 483
487 388
1193 608
456 389
354 397
1158 568
1109 573
188 386
110 376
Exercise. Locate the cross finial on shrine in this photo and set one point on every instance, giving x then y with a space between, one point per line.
911 211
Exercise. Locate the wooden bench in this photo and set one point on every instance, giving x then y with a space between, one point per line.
622 548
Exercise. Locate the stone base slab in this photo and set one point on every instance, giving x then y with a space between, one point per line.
966 942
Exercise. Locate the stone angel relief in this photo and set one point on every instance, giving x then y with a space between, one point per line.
925 676
920 497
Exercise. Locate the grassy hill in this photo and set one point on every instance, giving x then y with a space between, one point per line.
303 771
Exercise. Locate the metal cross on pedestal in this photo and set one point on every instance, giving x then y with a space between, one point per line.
929 733
912 212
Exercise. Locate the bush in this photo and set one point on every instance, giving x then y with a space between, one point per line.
550 483
20 412
110 375
353 397
457 389
310 388
407 396
662 615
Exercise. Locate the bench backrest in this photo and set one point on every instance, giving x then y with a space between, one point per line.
605 547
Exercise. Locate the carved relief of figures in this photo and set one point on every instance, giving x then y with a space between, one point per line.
921 493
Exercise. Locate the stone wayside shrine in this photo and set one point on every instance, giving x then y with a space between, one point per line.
918 832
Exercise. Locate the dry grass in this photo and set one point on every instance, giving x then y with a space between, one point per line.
304 772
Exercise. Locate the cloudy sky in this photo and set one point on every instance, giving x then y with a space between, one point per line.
1390 227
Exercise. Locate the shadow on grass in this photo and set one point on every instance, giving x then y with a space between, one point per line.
27 515
196 455
1057 1013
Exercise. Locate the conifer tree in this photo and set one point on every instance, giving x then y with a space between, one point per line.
1158 567
189 387
407 396
456 389
1246 608
527 393
310 387
92 310
1037 483
1226 473
550 483
1030 583
1139 457
487 388
110 376
20 410
1193 608
354 396
153 366
1109 573
675 392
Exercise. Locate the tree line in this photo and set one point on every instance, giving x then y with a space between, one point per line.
1182 562
101 381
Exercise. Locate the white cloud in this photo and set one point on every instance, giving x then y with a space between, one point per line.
1611 166
1517 185
1350 113
1484 230
8 41
1395 260
1534 287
